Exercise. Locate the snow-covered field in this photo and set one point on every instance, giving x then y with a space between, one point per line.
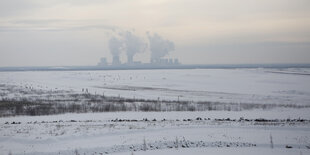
290 86
281 130
166 132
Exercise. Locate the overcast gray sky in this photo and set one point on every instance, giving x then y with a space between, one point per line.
76 32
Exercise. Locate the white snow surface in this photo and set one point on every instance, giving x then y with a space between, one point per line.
223 151
272 86
95 133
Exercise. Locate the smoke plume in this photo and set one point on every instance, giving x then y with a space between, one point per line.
159 47
133 45
115 46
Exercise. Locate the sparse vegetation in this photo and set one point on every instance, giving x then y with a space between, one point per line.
271 141
83 103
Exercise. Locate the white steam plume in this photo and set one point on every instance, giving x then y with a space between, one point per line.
115 46
159 47
133 45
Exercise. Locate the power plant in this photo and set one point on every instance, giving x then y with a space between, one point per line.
131 44
116 62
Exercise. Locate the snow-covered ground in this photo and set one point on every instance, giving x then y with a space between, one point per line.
223 151
174 132
284 130
290 86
